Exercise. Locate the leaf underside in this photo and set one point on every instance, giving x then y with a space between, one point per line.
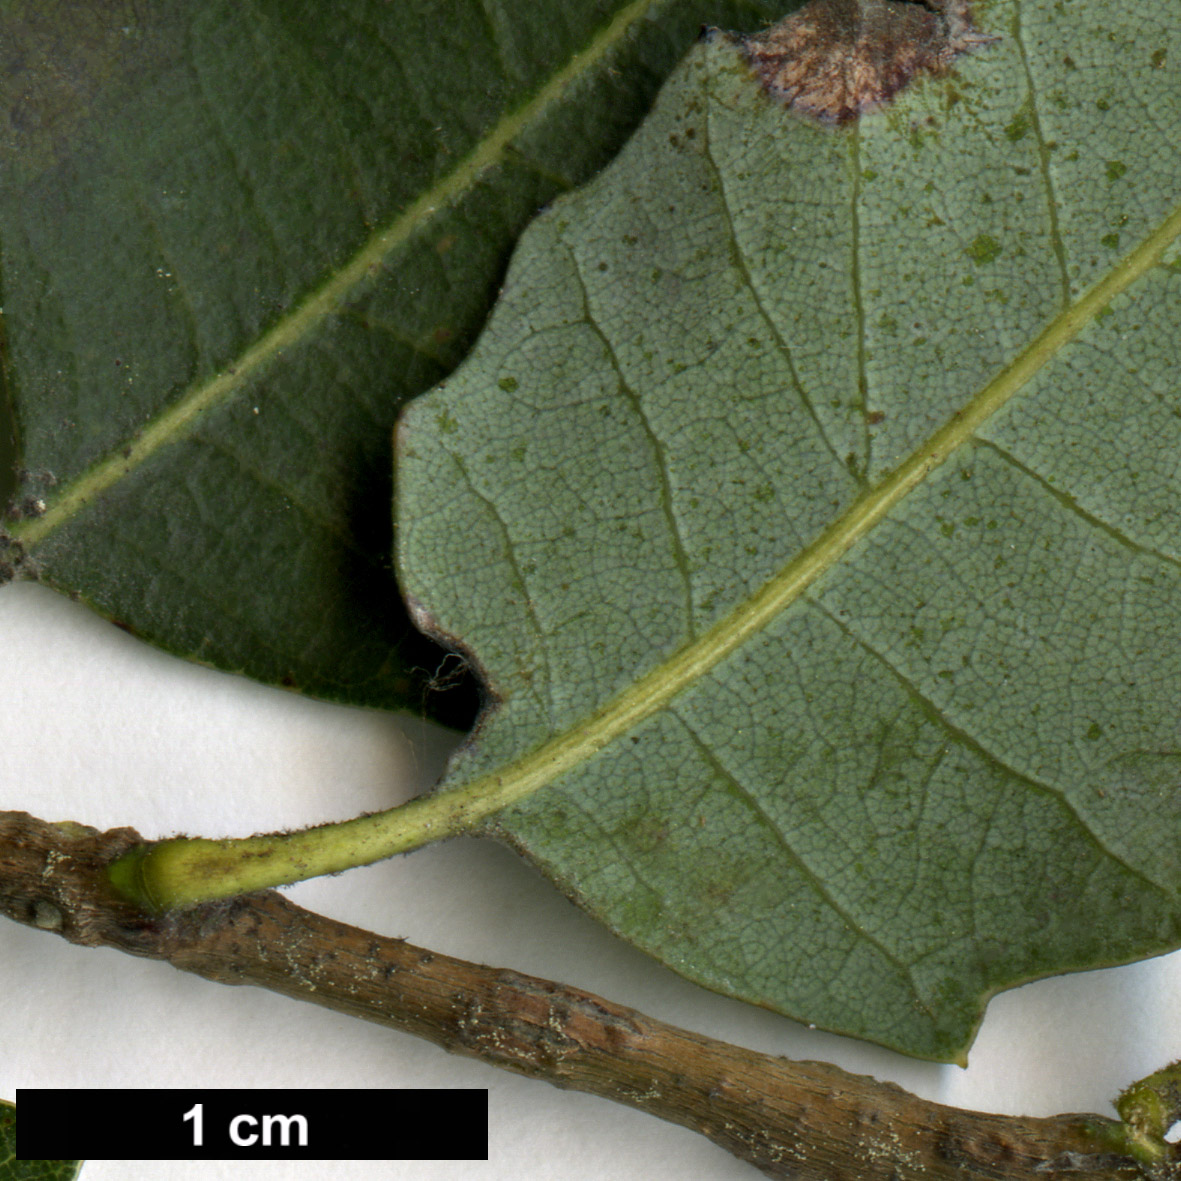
913 384
234 239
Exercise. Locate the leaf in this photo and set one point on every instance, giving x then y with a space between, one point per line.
809 505
12 1169
233 240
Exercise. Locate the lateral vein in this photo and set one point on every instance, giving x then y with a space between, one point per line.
686 667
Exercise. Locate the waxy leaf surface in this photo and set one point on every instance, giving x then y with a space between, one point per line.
810 505
233 240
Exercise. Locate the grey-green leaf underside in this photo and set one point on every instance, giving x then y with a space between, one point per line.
233 240
810 506
12 1169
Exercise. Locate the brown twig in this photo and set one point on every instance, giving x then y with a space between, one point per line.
803 1120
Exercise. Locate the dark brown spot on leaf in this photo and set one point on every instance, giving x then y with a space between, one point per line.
835 60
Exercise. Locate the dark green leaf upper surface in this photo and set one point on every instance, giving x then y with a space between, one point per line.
12 1169
233 239
809 503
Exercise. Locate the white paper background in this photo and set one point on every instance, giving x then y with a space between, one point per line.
100 728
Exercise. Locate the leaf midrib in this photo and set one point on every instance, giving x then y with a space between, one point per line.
187 871
175 422
461 808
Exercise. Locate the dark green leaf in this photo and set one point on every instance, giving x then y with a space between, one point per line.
233 240
12 1169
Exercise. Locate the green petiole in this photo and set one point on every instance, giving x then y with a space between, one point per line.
184 871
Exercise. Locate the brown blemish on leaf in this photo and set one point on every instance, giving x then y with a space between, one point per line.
65 69
836 60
